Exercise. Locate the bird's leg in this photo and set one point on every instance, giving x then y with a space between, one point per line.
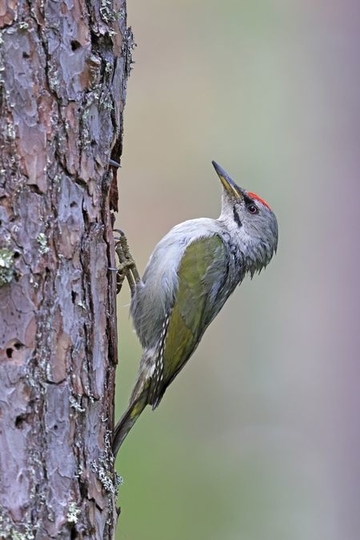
127 267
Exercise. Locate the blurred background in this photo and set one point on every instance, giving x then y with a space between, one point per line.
259 437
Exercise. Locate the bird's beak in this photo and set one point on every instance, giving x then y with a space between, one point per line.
228 184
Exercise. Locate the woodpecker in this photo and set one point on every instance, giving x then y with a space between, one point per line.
191 273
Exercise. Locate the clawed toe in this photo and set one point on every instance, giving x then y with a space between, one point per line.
127 266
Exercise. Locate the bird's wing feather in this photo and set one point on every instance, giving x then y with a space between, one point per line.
202 274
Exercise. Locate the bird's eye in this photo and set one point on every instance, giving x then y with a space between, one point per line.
253 209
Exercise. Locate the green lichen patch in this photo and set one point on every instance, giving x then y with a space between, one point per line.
7 271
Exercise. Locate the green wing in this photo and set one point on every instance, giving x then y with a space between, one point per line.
202 274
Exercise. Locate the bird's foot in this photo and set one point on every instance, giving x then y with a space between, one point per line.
127 266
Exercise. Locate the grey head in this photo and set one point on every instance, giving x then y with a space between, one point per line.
250 221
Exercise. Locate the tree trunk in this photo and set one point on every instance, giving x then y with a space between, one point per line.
63 71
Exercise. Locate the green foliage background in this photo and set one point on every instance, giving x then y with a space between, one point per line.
258 438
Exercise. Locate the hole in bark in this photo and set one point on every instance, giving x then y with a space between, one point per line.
73 204
16 254
35 189
25 55
75 45
20 420
55 427
17 346
73 296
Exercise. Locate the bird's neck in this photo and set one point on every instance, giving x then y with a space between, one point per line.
250 253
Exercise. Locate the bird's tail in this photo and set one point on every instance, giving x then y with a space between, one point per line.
138 402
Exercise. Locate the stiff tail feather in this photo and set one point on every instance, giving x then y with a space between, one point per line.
127 421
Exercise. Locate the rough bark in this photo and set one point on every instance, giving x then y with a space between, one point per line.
63 71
